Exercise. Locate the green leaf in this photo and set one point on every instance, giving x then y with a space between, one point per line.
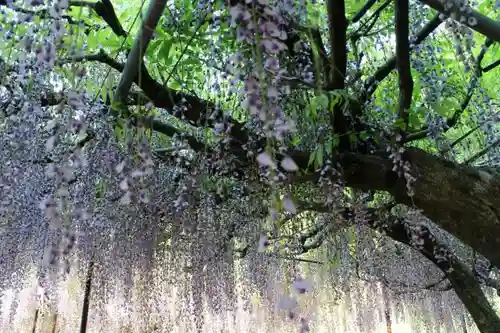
319 157
331 144
353 138
154 47
191 61
118 131
104 93
335 141
329 147
312 109
312 158
399 123
335 98
447 107
174 85
108 89
92 41
164 51
317 102
322 101
415 120
100 191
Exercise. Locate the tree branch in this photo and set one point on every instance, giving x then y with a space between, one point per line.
103 8
134 59
363 30
101 57
337 27
483 152
491 66
463 137
422 240
371 83
171 131
461 199
468 16
403 59
195 111
368 5
106 11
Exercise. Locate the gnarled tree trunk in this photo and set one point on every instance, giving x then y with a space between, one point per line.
463 200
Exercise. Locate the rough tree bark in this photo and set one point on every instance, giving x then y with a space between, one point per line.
461 199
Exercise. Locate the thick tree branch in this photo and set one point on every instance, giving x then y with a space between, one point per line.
134 59
470 17
337 27
461 199
106 11
403 59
